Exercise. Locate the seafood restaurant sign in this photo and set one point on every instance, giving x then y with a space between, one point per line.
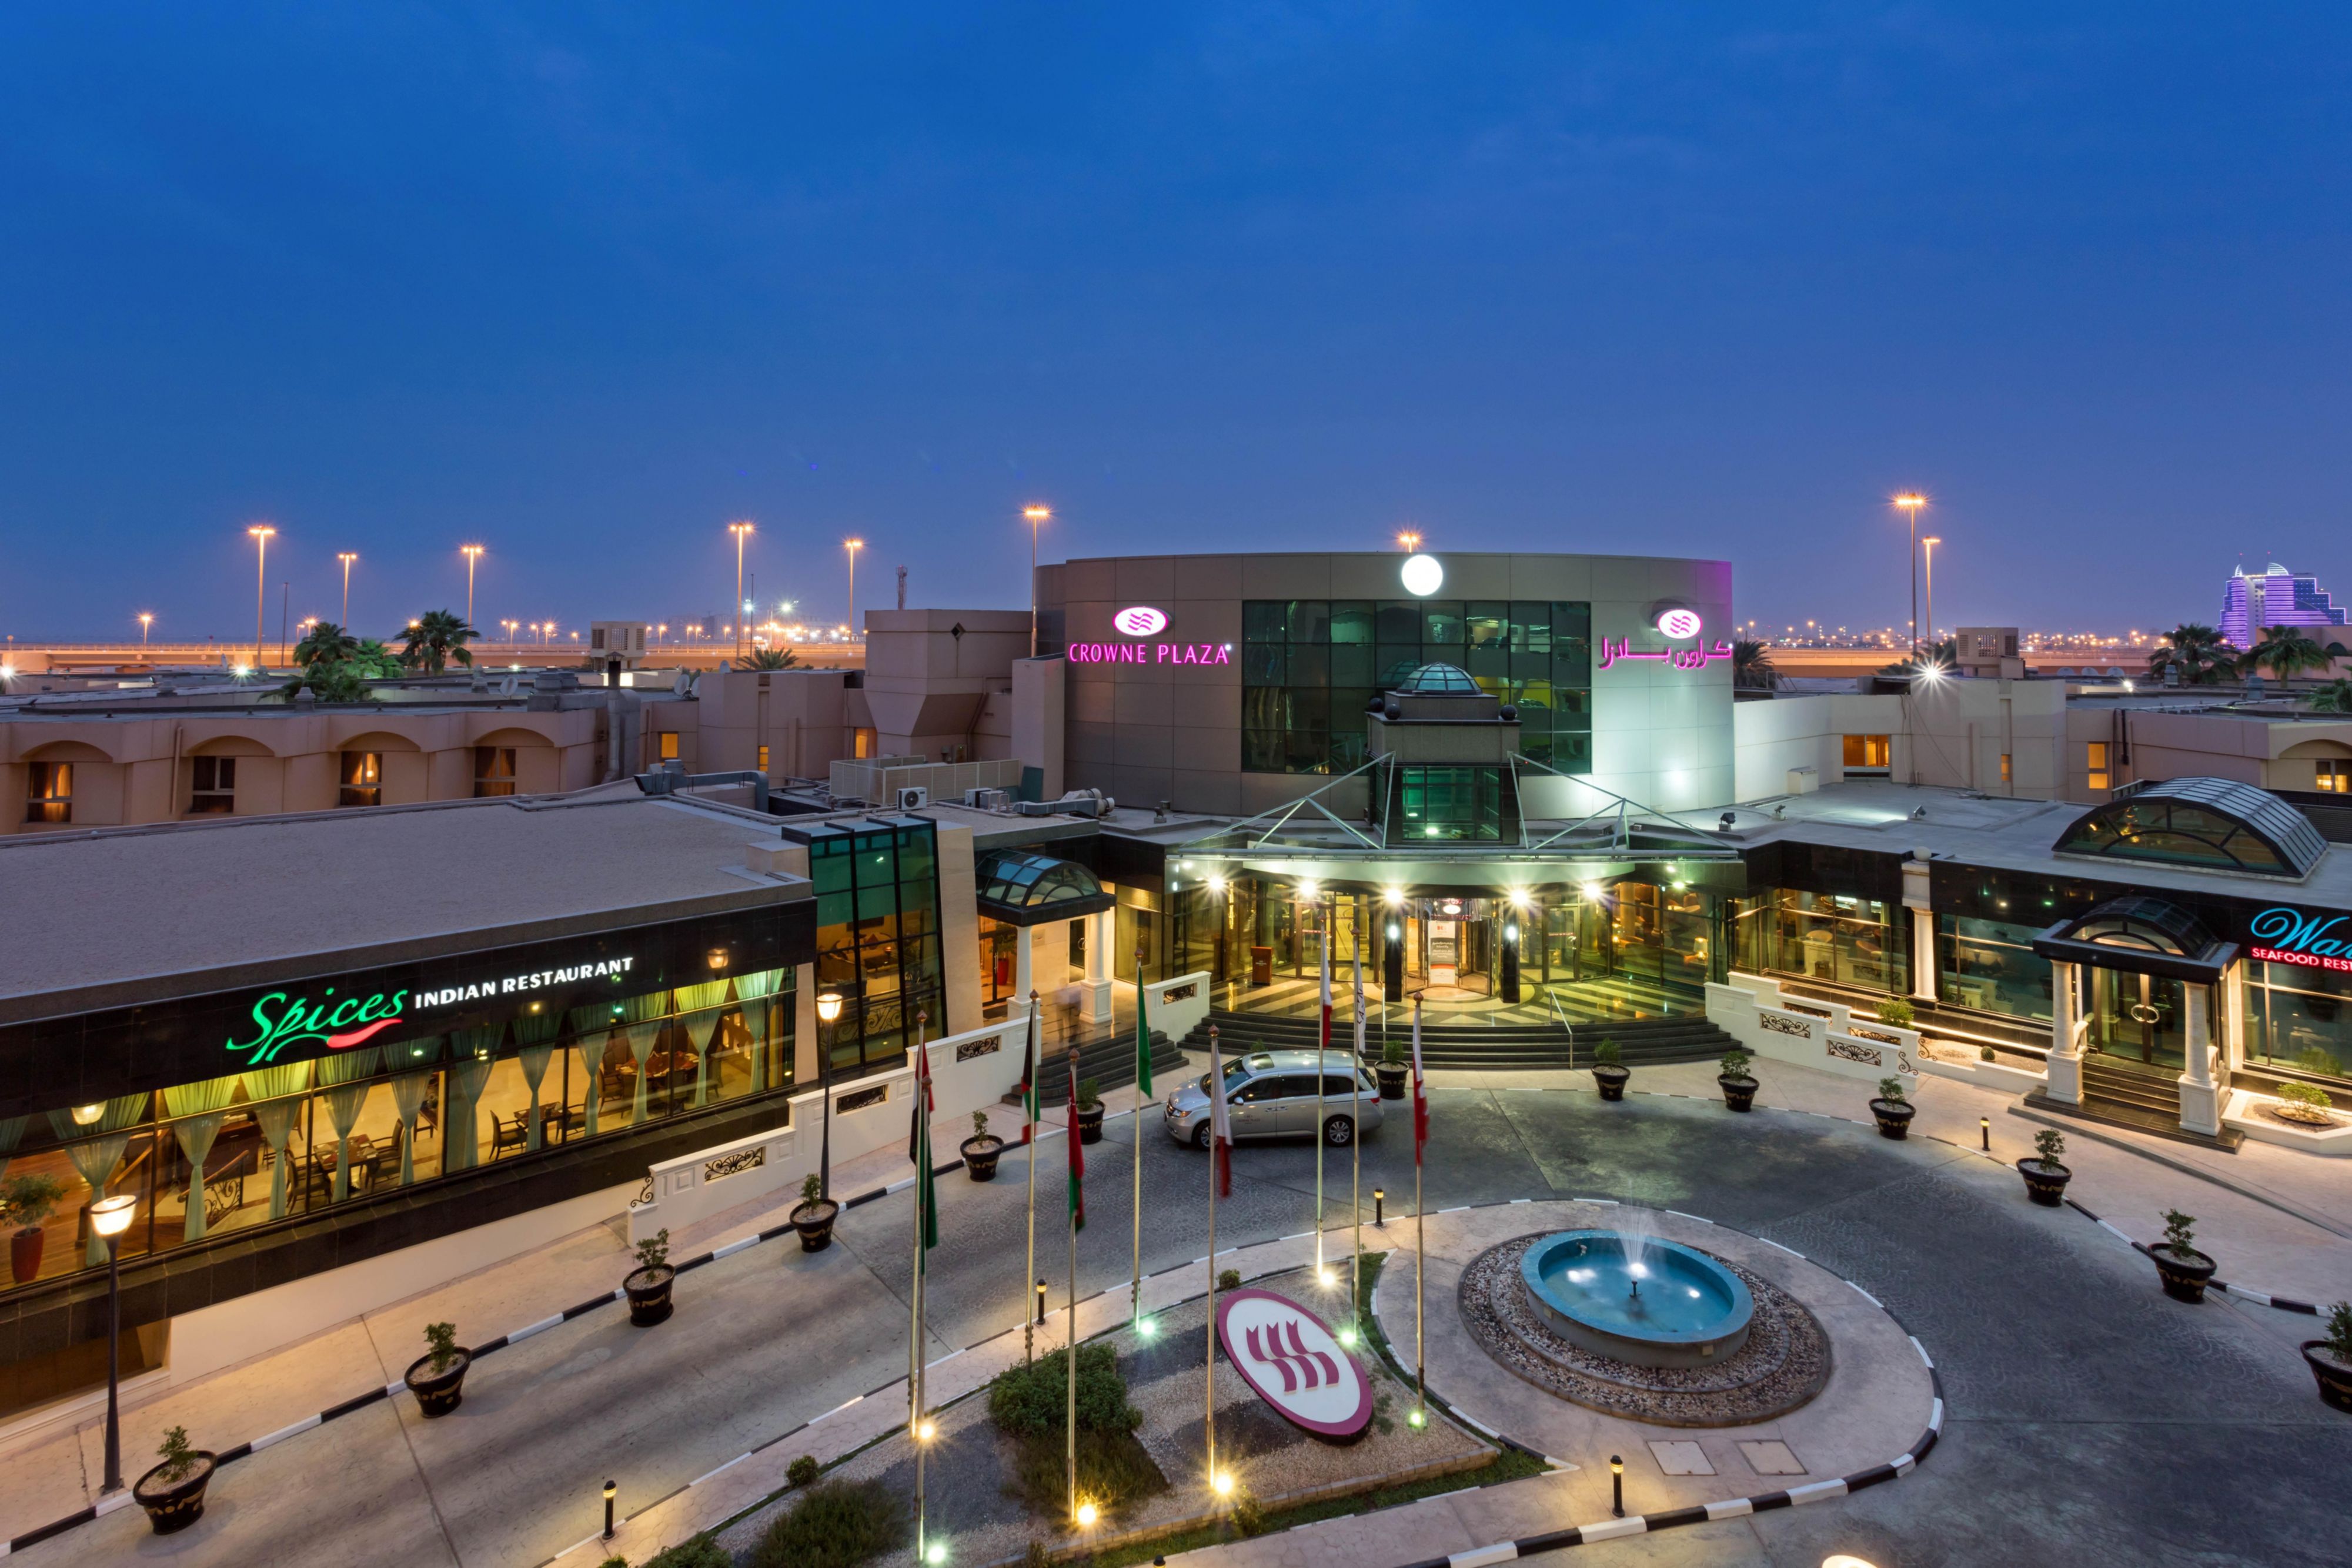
1292 1362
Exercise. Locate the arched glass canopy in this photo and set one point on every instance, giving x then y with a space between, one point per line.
1439 680
2142 936
1028 889
2217 824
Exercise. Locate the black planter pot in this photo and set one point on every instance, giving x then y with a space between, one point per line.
1739 1094
2334 1376
175 1505
438 1393
1611 1081
1090 1124
648 1290
1894 1117
2184 1278
815 1223
2046 1185
1392 1080
980 1156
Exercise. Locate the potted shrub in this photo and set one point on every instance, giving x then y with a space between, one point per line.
1610 1073
1391 1071
1894 1012
814 1216
1892 1110
2304 1104
2045 1178
2330 1359
2182 1268
437 1378
648 1284
1738 1088
29 1200
172 1493
1090 1112
979 1150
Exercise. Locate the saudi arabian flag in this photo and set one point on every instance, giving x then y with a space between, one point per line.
1142 1045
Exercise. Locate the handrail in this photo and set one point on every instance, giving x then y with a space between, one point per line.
1566 1028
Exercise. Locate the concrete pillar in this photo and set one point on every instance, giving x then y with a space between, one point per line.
2201 1109
2233 1019
1024 977
2066 1055
1923 954
1099 969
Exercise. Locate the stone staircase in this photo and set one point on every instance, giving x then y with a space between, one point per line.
1455 1045
1109 1062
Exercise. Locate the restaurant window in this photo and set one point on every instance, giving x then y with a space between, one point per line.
864 742
764 759
362 778
1311 666
1821 937
2095 763
2005 767
49 793
287 1138
1990 965
2299 1018
668 746
214 787
1868 753
877 940
2333 777
494 770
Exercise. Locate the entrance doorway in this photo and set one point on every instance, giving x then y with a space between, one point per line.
2138 1022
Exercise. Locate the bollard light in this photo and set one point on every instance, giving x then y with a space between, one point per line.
1041 1301
1616 1486
1224 1483
1085 1516
612 1490
1984 1131
1380 1197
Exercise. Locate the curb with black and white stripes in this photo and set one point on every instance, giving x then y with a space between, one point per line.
2260 1298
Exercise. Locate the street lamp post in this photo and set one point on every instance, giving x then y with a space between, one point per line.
347 557
110 1216
741 532
828 1008
1408 541
1928 545
261 534
853 547
1911 502
472 554
1036 515
144 622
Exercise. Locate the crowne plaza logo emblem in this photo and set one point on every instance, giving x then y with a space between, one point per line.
1294 1362
1300 1367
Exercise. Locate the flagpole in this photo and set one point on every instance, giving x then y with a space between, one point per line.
1356 1136
1420 1228
1070 1413
1143 1096
1209 1414
915 1292
1322 1051
1029 1137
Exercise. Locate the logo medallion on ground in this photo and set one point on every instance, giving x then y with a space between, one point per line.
1140 621
1293 1364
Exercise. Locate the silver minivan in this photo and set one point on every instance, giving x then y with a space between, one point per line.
1271 1095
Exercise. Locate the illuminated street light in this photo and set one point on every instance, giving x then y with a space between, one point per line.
1408 541
262 534
1036 515
1928 544
741 531
110 1216
1911 501
853 547
144 622
472 554
347 557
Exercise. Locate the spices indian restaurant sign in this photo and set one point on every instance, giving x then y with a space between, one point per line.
281 1020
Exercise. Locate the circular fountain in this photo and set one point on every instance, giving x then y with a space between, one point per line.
1637 1299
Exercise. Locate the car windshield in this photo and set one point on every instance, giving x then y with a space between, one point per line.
1235 1070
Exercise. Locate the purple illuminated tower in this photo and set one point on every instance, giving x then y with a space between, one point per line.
2276 597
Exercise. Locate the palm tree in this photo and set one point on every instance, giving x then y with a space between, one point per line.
435 638
1940 657
2336 697
772 659
376 660
2197 651
2288 651
1751 666
326 641
329 680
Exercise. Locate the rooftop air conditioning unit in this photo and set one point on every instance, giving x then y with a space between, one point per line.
912 796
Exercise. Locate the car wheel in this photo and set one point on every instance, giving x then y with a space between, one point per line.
1201 1137
1339 1132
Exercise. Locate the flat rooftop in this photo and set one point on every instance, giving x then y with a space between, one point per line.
110 917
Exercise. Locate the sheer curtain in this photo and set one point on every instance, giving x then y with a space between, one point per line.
536 1032
271 1090
752 990
95 1159
591 1038
12 1133
203 1107
409 1093
647 1017
461 1138
346 1076
695 999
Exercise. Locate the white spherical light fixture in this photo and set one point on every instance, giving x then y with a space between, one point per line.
1422 576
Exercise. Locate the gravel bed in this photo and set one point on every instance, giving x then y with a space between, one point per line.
1784 1363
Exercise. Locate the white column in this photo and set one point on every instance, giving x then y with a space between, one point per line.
2200 1099
1923 954
1100 970
2065 1057
1022 975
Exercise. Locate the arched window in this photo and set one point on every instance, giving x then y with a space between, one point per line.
2216 823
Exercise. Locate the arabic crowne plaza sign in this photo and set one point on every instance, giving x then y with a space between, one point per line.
1293 1363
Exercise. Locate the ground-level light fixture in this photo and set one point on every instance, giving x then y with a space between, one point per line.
1041 1301
1380 1197
1324 1276
1223 1483
1348 1335
1086 1516
926 1430
1416 1417
612 1490
936 1552
1846 1560
1617 1485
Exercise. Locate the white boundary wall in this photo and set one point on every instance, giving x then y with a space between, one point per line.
1753 1011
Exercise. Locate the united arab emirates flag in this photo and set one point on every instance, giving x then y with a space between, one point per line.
919 1148
1077 1155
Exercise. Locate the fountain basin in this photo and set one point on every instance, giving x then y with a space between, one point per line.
1659 1303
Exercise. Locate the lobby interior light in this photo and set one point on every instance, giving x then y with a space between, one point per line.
111 1216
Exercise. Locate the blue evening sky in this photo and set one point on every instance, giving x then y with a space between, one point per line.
584 281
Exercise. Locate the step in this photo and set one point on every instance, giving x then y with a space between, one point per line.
2114 1114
